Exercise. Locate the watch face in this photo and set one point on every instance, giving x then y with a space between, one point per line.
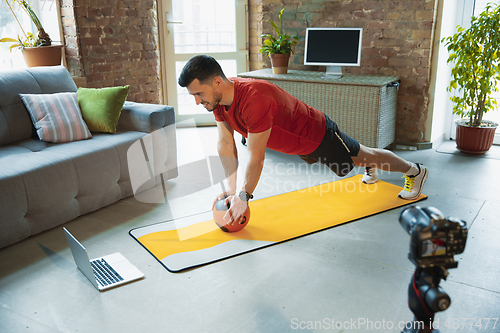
244 196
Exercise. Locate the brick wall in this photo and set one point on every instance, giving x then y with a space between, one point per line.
114 43
397 40
71 39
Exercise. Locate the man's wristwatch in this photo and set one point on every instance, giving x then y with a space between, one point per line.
244 196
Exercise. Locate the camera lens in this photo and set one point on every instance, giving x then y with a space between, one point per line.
408 218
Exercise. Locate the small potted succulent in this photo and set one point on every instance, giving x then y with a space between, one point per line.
37 50
475 53
278 48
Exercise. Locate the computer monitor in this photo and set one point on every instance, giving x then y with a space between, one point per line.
333 48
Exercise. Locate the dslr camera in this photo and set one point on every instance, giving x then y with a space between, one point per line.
435 239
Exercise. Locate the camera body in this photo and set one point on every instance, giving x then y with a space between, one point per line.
435 239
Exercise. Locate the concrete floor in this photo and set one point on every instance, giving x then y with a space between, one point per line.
356 273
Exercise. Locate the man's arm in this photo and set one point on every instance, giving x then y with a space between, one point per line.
228 154
257 148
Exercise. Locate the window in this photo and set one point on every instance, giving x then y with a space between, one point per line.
207 26
213 27
479 5
46 11
494 115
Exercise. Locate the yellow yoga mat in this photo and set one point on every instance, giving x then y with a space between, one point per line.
195 240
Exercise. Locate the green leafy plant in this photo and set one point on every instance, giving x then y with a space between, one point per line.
29 39
476 70
282 43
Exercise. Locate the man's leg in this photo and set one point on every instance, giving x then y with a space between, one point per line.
381 159
415 174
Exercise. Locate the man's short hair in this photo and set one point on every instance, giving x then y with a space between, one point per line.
201 67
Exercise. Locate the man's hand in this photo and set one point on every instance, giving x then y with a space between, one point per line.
236 210
221 196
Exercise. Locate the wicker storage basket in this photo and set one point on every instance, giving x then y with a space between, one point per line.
364 107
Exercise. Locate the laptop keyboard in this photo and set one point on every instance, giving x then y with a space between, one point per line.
104 273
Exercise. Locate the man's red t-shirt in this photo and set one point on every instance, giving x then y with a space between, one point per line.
258 105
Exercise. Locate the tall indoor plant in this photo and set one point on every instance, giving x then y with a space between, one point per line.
278 48
37 50
476 56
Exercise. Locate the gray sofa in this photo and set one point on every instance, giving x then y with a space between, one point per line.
43 185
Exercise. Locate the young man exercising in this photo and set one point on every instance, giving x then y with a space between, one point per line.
271 118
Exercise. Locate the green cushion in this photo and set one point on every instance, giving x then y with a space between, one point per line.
101 108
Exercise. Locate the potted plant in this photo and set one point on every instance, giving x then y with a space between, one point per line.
278 48
37 50
475 53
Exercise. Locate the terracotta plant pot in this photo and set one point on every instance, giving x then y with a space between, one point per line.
280 63
43 55
474 140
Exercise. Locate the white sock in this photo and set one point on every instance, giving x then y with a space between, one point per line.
414 170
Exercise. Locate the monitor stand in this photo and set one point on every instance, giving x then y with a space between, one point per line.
333 72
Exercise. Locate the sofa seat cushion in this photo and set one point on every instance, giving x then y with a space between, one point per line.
46 182
12 154
37 189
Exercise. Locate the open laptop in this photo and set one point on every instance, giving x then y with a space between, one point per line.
105 272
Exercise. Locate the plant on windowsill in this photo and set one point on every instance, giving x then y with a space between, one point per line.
37 50
278 48
476 55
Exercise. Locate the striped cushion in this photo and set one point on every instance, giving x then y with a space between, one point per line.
57 117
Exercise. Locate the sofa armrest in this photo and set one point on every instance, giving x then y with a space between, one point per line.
145 117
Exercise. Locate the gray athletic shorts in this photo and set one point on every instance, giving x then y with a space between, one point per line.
335 151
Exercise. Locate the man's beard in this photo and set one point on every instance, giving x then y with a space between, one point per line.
212 106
